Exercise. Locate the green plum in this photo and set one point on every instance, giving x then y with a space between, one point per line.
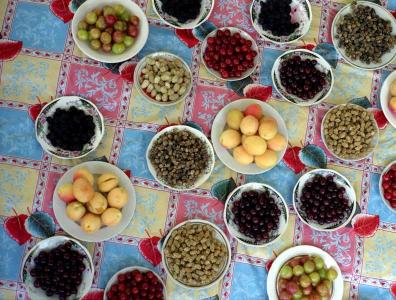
94 33
108 10
82 25
322 273
286 272
128 41
105 37
95 44
125 16
305 281
82 34
309 266
297 295
91 18
119 9
319 263
118 48
101 23
331 274
315 277
298 270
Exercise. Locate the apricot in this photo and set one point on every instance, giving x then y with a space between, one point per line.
90 223
230 138
266 160
75 210
249 125
111 216
243 138
83 191
393 88
107 182
392 104
84 173
253 110
97 204
117 197
254 145
268 128
65 193
241 156
277 143
234 118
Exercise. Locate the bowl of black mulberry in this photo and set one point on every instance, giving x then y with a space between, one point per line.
324 200
183 14
69 127
256 214
302 77
281 21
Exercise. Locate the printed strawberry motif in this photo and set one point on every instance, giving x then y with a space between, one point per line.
268 265
94 295
292 159
15 228
148 248
126 70
392 289
393 12
379 117
127 172
187 37
309 47
9 49
365 225
60 8
257 91
34 110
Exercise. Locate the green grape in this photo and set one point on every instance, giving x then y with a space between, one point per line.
118 48
297 295
119 9
95 44
315 277
105 37
286 272
101 23
82 35
298 270
319 263
331 274
305 281
82 25
309 266
128 41
108 10
91 18
94 33
322 273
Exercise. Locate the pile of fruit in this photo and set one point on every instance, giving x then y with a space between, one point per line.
253 137
111 29
89 207
306 278
392 100
389 186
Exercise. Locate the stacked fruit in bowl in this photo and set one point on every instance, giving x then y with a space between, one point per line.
388 186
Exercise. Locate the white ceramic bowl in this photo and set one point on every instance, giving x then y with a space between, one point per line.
322 65
142 63
380 186
219 235
47 244
285 256
385 97
219 125
65 102
236 195
374 143
243 34
383 13
106 232
113 279
301 12
199 135
206 9
101 56
340 180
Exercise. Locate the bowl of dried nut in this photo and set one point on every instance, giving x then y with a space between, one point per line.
350 132
196 254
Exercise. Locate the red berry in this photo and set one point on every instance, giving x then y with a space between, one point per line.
114 288
230 52
110 20
211 40
135 290
123 297
245 48
110 294
219 33
138 277
121 287
393 204
249 56
248 43
388 196
393 167
227 32
121 277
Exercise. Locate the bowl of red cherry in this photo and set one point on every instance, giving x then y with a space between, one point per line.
324 200
229 54
302 77
388 186
135 283
256 214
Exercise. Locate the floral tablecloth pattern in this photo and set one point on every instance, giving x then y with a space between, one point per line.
51 65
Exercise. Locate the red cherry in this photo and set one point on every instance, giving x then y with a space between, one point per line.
237 35
230 52
249 56
253 53
121 277
121 287
219 33
393 167
114 288
388 196
385 185
138 277
110 294
123 297
211 40
227 32
249 43
393 204
135 290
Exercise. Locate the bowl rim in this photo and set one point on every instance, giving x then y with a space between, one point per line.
245 35
386 169
161 54
44 146
184 27
354 200
226 242
322 61
116 58
384 98
339 157
276 42
227 203
199 135
361 66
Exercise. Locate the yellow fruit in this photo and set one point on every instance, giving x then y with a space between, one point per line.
107 182
392 104
85 174
254 145
230 138
118 197
268 128
249 125
241 156
90 223
97 204
277 143
111 216
83 191
75 210
243 138
393 88
266 160
234 118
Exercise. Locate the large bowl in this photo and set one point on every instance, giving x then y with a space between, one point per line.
219 235
98 55
47 244
322 65
107 232
340 180
206 9
285 256
142 63
383 13
301 12
65 102
199 135
380 186
219 124
385 97
236 195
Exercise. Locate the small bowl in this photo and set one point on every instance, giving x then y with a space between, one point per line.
301 12
285 256
142 64
373 144
243 34
385 97
107 232
113 279
219 124
47 244
233 228
206 9
380 186
65 102
219 235
322 65
199 135
340 180
382 12
101 56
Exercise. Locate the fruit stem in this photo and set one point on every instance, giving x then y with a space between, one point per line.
28 209
148 234
38 99
19 222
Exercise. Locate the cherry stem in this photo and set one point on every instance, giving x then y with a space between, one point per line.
28 209
148 234
19 222
38 99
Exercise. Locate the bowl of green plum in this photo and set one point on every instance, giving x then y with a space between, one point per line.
111 31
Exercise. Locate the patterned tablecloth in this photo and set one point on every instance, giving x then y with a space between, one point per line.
51 65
